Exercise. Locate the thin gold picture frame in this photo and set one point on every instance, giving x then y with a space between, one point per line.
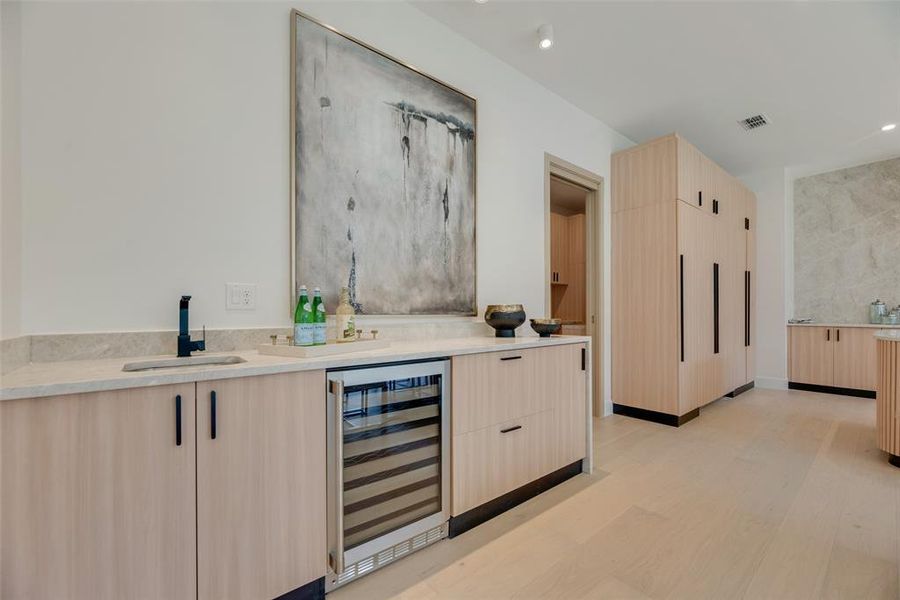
295 15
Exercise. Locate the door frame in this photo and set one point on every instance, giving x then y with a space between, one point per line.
594 261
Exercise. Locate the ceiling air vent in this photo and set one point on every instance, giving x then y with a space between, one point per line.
754 122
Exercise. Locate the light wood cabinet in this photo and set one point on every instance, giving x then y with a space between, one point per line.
126 494
855 358
98 496
516 417
811 355
559 249
567 267
681 300
838 357
260 485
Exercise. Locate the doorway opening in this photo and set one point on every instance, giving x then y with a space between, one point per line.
574 258
568 258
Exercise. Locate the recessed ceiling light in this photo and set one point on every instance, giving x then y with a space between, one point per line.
481 1
889 126
545 36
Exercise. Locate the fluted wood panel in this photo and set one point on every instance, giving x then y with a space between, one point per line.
887 415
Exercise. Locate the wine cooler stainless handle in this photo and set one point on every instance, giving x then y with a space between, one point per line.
337 557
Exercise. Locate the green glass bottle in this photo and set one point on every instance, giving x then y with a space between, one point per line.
304 319
318 307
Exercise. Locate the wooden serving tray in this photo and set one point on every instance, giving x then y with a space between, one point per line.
327 350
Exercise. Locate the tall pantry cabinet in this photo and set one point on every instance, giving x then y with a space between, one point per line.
683 298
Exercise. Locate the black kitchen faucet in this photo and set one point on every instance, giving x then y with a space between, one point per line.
185 345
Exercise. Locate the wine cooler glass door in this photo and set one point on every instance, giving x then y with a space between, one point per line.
388 469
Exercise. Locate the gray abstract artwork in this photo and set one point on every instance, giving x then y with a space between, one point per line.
385 180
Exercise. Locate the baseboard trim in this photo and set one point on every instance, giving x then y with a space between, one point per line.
744 388
655 416
827 389
487 511
314 590
771 383
894 460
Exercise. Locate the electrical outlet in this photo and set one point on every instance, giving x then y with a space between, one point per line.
240 296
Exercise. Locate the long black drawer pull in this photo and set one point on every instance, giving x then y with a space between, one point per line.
508 429
178 420
511 358
212 415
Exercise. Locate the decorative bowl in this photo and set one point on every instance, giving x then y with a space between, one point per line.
504 318
546 327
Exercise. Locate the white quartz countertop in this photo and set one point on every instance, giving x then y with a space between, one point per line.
890 335
865 325
73 377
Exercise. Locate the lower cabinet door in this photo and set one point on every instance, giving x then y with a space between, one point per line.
260 485
812 355
855 358
97 496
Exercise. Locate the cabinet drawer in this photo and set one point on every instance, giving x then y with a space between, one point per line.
494 387
497 459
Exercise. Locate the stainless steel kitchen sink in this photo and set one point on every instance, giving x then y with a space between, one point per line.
186 361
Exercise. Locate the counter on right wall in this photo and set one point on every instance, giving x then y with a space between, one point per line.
847 242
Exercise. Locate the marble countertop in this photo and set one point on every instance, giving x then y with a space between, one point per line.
866 325
81 376
890 335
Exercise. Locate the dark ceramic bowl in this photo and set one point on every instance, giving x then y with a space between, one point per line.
546 327
504 318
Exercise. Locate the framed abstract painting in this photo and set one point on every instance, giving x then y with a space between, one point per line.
382 179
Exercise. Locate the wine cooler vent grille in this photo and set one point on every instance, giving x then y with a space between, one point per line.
376 561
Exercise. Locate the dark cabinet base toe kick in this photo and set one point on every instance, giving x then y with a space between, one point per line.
666 418
828 389
487 511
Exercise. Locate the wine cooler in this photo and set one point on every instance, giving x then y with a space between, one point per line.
388 464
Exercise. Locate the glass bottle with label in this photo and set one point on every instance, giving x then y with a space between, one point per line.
318 307
304 320
346 318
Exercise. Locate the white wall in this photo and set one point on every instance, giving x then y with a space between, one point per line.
10 198
774 273
155 157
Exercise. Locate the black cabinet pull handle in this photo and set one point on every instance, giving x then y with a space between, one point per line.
212 415
510 358
838 333
583 358
700 198
681 302
508 429
746 308
827 335
715 308
178 420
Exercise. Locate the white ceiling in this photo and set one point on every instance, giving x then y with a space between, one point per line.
827 74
